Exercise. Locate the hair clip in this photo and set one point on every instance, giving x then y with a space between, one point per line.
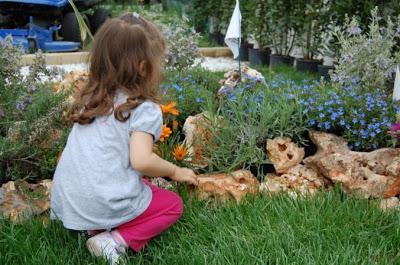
136 15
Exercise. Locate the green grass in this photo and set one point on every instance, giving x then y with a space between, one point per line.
330 229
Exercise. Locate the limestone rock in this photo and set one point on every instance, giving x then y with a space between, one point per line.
73 81
197 136
361 173
392 203
19 199
224 186
284 154
232 79
298 180
394 189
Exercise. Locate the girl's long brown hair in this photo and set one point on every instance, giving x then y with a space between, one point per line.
127 55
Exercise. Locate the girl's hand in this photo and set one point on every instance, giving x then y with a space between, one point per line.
185 175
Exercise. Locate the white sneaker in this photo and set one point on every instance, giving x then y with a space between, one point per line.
104 245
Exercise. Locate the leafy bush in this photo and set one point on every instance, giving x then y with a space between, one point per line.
182 47
367 58
31 129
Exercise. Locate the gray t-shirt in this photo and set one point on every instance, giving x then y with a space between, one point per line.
95 186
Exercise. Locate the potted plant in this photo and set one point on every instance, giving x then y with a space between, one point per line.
310 27
247 12
215 15
329 49
280 15
261 32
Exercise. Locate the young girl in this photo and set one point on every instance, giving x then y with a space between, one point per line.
98 184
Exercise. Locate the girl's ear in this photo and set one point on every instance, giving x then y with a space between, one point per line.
142 68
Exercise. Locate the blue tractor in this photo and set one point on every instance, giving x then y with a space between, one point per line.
49 25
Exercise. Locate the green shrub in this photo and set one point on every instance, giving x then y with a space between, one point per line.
367 58
32 133
250 116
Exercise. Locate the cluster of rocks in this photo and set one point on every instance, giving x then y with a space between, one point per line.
20 200
373 174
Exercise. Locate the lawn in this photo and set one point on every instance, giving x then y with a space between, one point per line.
329 229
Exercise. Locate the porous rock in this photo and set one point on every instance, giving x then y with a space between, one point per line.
366 174
392 203
20 200
284 154
298 180
225 186
232 79
198 134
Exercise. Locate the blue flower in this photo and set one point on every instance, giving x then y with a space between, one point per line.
305 111
177 87
199 99
321 115
320 108
342 122
327 125
311 122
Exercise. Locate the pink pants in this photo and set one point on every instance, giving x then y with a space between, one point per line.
165 209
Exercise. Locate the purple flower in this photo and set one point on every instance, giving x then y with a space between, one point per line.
32 88
354 30
20 105
395 127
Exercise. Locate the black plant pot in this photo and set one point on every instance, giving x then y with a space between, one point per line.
259 57
307 65
275 60
323 70
244 52
217 37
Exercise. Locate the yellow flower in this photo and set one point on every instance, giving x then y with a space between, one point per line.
180 152
170 108
166 132
175 125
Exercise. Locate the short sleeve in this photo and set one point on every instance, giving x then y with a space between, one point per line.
147 117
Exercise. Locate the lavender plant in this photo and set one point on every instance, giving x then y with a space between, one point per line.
367 58
182 47
31 129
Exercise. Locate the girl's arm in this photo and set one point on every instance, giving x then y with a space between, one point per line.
148 163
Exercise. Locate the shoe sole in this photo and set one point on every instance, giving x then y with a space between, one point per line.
93 248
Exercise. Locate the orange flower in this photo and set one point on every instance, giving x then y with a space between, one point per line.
166 131
175 125
170 108
56 87
180 152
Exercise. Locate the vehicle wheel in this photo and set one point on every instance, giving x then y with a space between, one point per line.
32 46
70 28
99 17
